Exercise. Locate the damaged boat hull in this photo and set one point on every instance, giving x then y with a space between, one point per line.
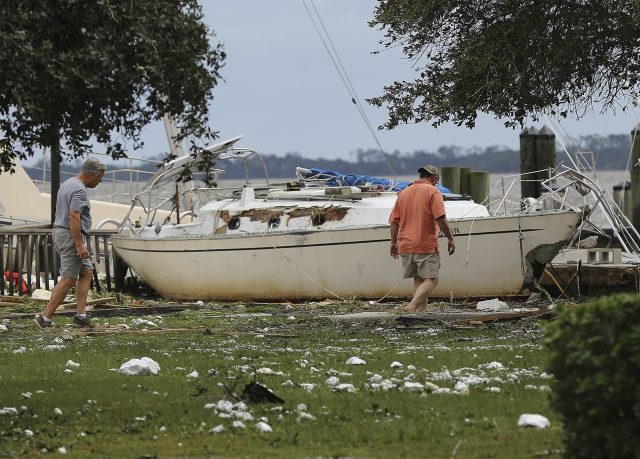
495 256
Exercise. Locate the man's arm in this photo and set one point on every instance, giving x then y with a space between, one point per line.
444 227
76 232
395 228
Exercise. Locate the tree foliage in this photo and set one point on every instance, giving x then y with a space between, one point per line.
77 71
511 58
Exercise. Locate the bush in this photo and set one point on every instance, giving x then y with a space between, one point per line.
595 358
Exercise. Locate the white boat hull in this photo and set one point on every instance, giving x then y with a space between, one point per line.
494 257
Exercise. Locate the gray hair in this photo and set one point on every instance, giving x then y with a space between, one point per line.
93 166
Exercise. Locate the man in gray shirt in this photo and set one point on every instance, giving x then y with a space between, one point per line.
70 230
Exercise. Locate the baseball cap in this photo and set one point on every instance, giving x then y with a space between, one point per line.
429 169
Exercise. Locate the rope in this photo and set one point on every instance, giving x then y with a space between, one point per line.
337 63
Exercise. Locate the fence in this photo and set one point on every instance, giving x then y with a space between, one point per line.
28 250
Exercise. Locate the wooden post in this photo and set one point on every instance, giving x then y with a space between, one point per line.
450 177
545 156
465 183
635 177
480 187
119 272
528 186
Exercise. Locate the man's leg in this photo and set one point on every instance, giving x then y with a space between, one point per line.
423 287
82 291
58 294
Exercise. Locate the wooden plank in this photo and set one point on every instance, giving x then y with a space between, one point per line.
89 302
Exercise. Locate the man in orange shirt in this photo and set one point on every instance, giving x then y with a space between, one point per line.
415 220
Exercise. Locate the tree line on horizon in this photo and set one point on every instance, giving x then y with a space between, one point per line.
610 153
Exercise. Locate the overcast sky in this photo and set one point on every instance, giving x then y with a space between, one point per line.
282 92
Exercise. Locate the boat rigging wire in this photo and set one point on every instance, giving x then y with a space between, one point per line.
318 24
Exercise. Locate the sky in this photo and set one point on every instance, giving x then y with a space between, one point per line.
284 95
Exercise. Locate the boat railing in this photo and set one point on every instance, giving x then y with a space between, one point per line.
566 188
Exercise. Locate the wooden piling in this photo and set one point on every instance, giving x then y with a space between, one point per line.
450 177
635 177
480 187
465 180
528 186
545 143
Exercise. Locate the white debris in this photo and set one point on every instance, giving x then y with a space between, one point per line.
163 428
140 418
355 361
224 406
28 433
71 364
143 322
57 411
143 366
263 427
493 305
533 420
492 366
193 375
396 364
442 390
307 386
493 390
409 377
306 416
200 303
461 386
210 406
53 347
41 294
217 429
20 350
122 326
411 367
345 388
268 371
387 384
376 379
288 383
332 381
243 415
413 386
240 406
67 371
291 318
8 411
530 387
428 385
62 450
3 328
301 407
544 389
26 395
238 425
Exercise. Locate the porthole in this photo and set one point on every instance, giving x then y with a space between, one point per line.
234 223
274 222
317 219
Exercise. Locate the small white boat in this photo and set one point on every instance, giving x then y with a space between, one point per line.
316 242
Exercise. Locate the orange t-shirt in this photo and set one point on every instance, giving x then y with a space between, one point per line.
416 210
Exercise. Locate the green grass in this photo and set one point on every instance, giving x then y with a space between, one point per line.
367 423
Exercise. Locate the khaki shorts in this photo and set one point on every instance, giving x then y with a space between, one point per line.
71 265
425 265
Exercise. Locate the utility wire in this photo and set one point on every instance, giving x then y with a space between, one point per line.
337 63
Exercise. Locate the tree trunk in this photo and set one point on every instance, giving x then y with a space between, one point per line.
55 170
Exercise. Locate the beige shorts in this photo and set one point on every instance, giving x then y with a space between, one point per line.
425 265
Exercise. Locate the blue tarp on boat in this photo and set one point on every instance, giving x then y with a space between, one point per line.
334 178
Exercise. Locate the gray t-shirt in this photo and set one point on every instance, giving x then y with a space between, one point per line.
72 195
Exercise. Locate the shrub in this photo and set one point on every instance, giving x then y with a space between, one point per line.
595 358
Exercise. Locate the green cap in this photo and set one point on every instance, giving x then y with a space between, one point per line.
429 169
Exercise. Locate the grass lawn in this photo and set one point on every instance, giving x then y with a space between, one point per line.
469 406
